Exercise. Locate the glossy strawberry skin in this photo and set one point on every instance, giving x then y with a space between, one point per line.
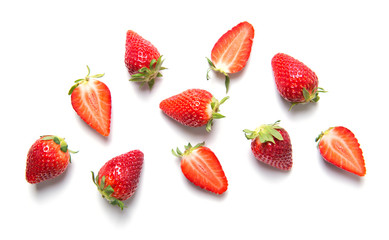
292 76
191 107
122 173
45 161
277 154
139 52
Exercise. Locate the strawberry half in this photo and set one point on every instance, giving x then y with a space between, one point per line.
47 158
142 59
271 144
118 178
231 51
295 82
201 166
91 99
193 108
339 146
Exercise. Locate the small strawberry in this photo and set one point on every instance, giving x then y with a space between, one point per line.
295 82
118 179
142 59
91 99
339 146
47 158
232 50
201 166
271 145
193 107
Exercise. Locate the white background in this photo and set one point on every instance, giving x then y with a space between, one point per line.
46 45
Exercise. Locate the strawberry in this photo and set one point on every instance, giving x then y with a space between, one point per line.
201 166
295 82
118 178
47 158
231 51
91 99
339 146
193 107
142 59
271 145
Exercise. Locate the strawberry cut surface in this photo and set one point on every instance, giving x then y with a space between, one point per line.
91 99
200 165
339 146
233 49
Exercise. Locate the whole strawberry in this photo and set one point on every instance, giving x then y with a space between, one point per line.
47 158
91 99
271 145
295 82
201 166
193 107
142 59
118 179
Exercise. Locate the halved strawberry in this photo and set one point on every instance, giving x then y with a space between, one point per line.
232 50
91 99
201 166
339 146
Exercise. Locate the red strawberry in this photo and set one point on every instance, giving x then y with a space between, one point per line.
142 59
193 107
294 80
91 99
118 179
339 146
201 166
47 158
232 50
271 145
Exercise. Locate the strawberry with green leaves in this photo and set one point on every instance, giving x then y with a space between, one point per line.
91 99
47 158
271 144
193 108
142 59
201 166
339 146
118 178
232 51
295 82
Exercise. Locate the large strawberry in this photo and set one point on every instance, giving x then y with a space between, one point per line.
339 146
47 158
232 50
193 107
201 166
295 82
271 145
118 178
91 99
142 59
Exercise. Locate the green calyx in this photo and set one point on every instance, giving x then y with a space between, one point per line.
215 104
188 149
60 141
310 97
213 67
83 80
265 133
149 74
106 191
318 138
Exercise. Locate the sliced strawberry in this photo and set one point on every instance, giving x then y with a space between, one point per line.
91 99
201 166
232 50
339 146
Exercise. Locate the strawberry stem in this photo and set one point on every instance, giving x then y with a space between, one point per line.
82 80
106 191
265 133
149 74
